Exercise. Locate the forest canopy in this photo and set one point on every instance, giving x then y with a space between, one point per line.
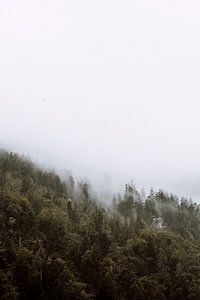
58 242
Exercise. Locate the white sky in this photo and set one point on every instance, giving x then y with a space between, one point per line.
121 86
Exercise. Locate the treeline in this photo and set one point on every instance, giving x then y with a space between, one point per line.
58 242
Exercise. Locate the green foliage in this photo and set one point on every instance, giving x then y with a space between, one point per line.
57 242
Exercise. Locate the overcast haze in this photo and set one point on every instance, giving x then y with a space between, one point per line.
108 89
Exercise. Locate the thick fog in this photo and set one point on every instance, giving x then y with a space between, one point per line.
107 89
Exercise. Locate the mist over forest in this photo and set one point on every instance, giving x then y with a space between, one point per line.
58 241
117 97
100 143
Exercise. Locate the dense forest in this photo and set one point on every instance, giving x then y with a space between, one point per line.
58 242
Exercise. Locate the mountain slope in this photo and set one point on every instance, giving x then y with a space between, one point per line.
57 242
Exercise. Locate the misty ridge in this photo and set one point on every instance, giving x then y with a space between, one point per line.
58 241
102 97
125 202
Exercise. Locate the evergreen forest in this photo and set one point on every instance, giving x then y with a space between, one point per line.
58 241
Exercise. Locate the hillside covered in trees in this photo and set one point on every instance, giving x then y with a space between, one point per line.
58 242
